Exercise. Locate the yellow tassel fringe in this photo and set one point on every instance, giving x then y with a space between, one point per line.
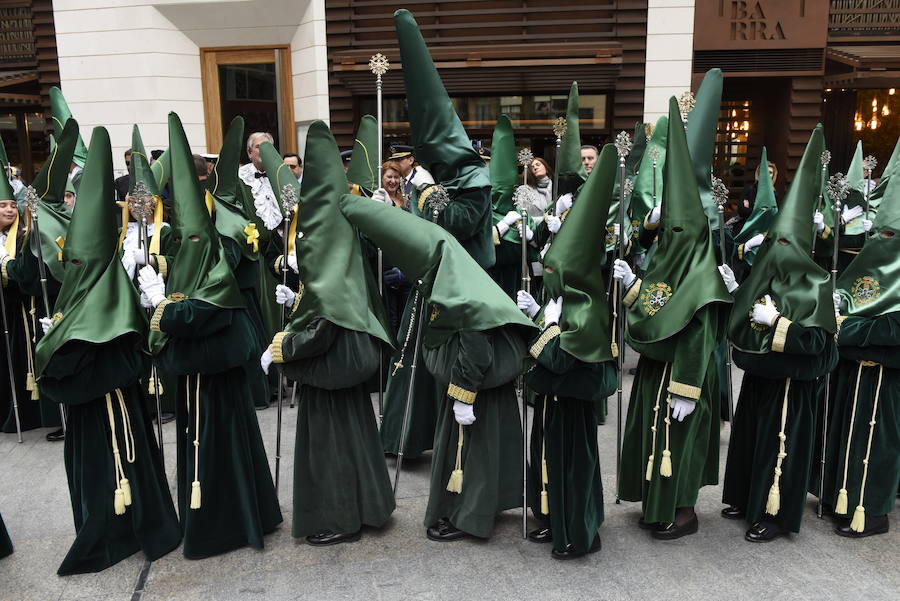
456 480
545 503
126 491
615 350
29 382
119 502
773 503
665 468
195 494
841 505
545 479
858 524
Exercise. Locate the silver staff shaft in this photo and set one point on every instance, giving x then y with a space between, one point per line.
728 384
286 225
9 364
620 323
378 88
526 286
42 274
154 375
419 307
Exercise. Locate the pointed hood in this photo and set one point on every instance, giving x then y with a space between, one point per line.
140 165
97 302
222 187
503 168
642 197
440 141
682 275
870 285
856 177
199 270
363 169
569 169
50 186
764 209
60 113
162 170
462 295
6 192
784 268
891 169
702 123
575 264
336 284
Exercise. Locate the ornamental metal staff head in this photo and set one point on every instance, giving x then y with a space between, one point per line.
141 202
629 186
869 163
825 158
289 200
838 189
686 102
525 158
559 128
623 146
653 153
719 193
379 65
438 199
32 200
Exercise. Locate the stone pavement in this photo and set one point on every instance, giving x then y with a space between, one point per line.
399 563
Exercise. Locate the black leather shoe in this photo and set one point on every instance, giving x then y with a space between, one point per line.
876 524
674 531
331 538
541 535
648 525
570 553
444 531
732 513
56 436
764 532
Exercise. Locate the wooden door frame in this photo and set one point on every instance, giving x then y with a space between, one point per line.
212 57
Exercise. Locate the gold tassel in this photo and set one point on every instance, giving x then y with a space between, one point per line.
858 523
545 479
545 503
195 494
29 382
35 392
151 386
841 505
665 466
615 350
456 477
126 491
119 502
649 475
773 503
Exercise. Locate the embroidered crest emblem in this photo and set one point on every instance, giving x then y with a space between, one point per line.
758 326
57 317
655 296
177 296
435 312
865 290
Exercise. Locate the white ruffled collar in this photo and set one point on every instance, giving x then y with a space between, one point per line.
263 197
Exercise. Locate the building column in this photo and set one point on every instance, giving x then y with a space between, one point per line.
670 49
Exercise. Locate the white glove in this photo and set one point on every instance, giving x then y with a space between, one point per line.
563 204
553 223
682 407
128 264
728 277
754 242
528 233
292 262
381 195
421 178
145 302
284 295
765 314
867 224
464 413
511 218
553 311
152 285
3 252
819 220
851 213
137 254
527 304
266 360
654 215
836 299
46 324
621 271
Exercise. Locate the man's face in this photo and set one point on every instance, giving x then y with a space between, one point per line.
294 164
406 163
128 161
253 153
588 158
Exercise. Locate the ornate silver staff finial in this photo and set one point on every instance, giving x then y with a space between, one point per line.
438 199
31 200
559 127
141 202
719 193
525 157
838 187
825 158
648 130
288 199
869 163
524 198
686 104
623 144
379 64
629 186
654 154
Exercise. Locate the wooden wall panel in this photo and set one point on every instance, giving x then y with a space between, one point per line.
368 26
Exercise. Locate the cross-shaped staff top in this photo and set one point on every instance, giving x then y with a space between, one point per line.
838 187
686 104
623 144
379 64
869 163
719 192
825 158
525 157
559 127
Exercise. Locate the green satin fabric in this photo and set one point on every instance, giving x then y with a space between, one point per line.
702 124
60 113
503 167
441 143
140 166
576 272
683 265
223 184
363 168
642 197
569 168
764 209
463 295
